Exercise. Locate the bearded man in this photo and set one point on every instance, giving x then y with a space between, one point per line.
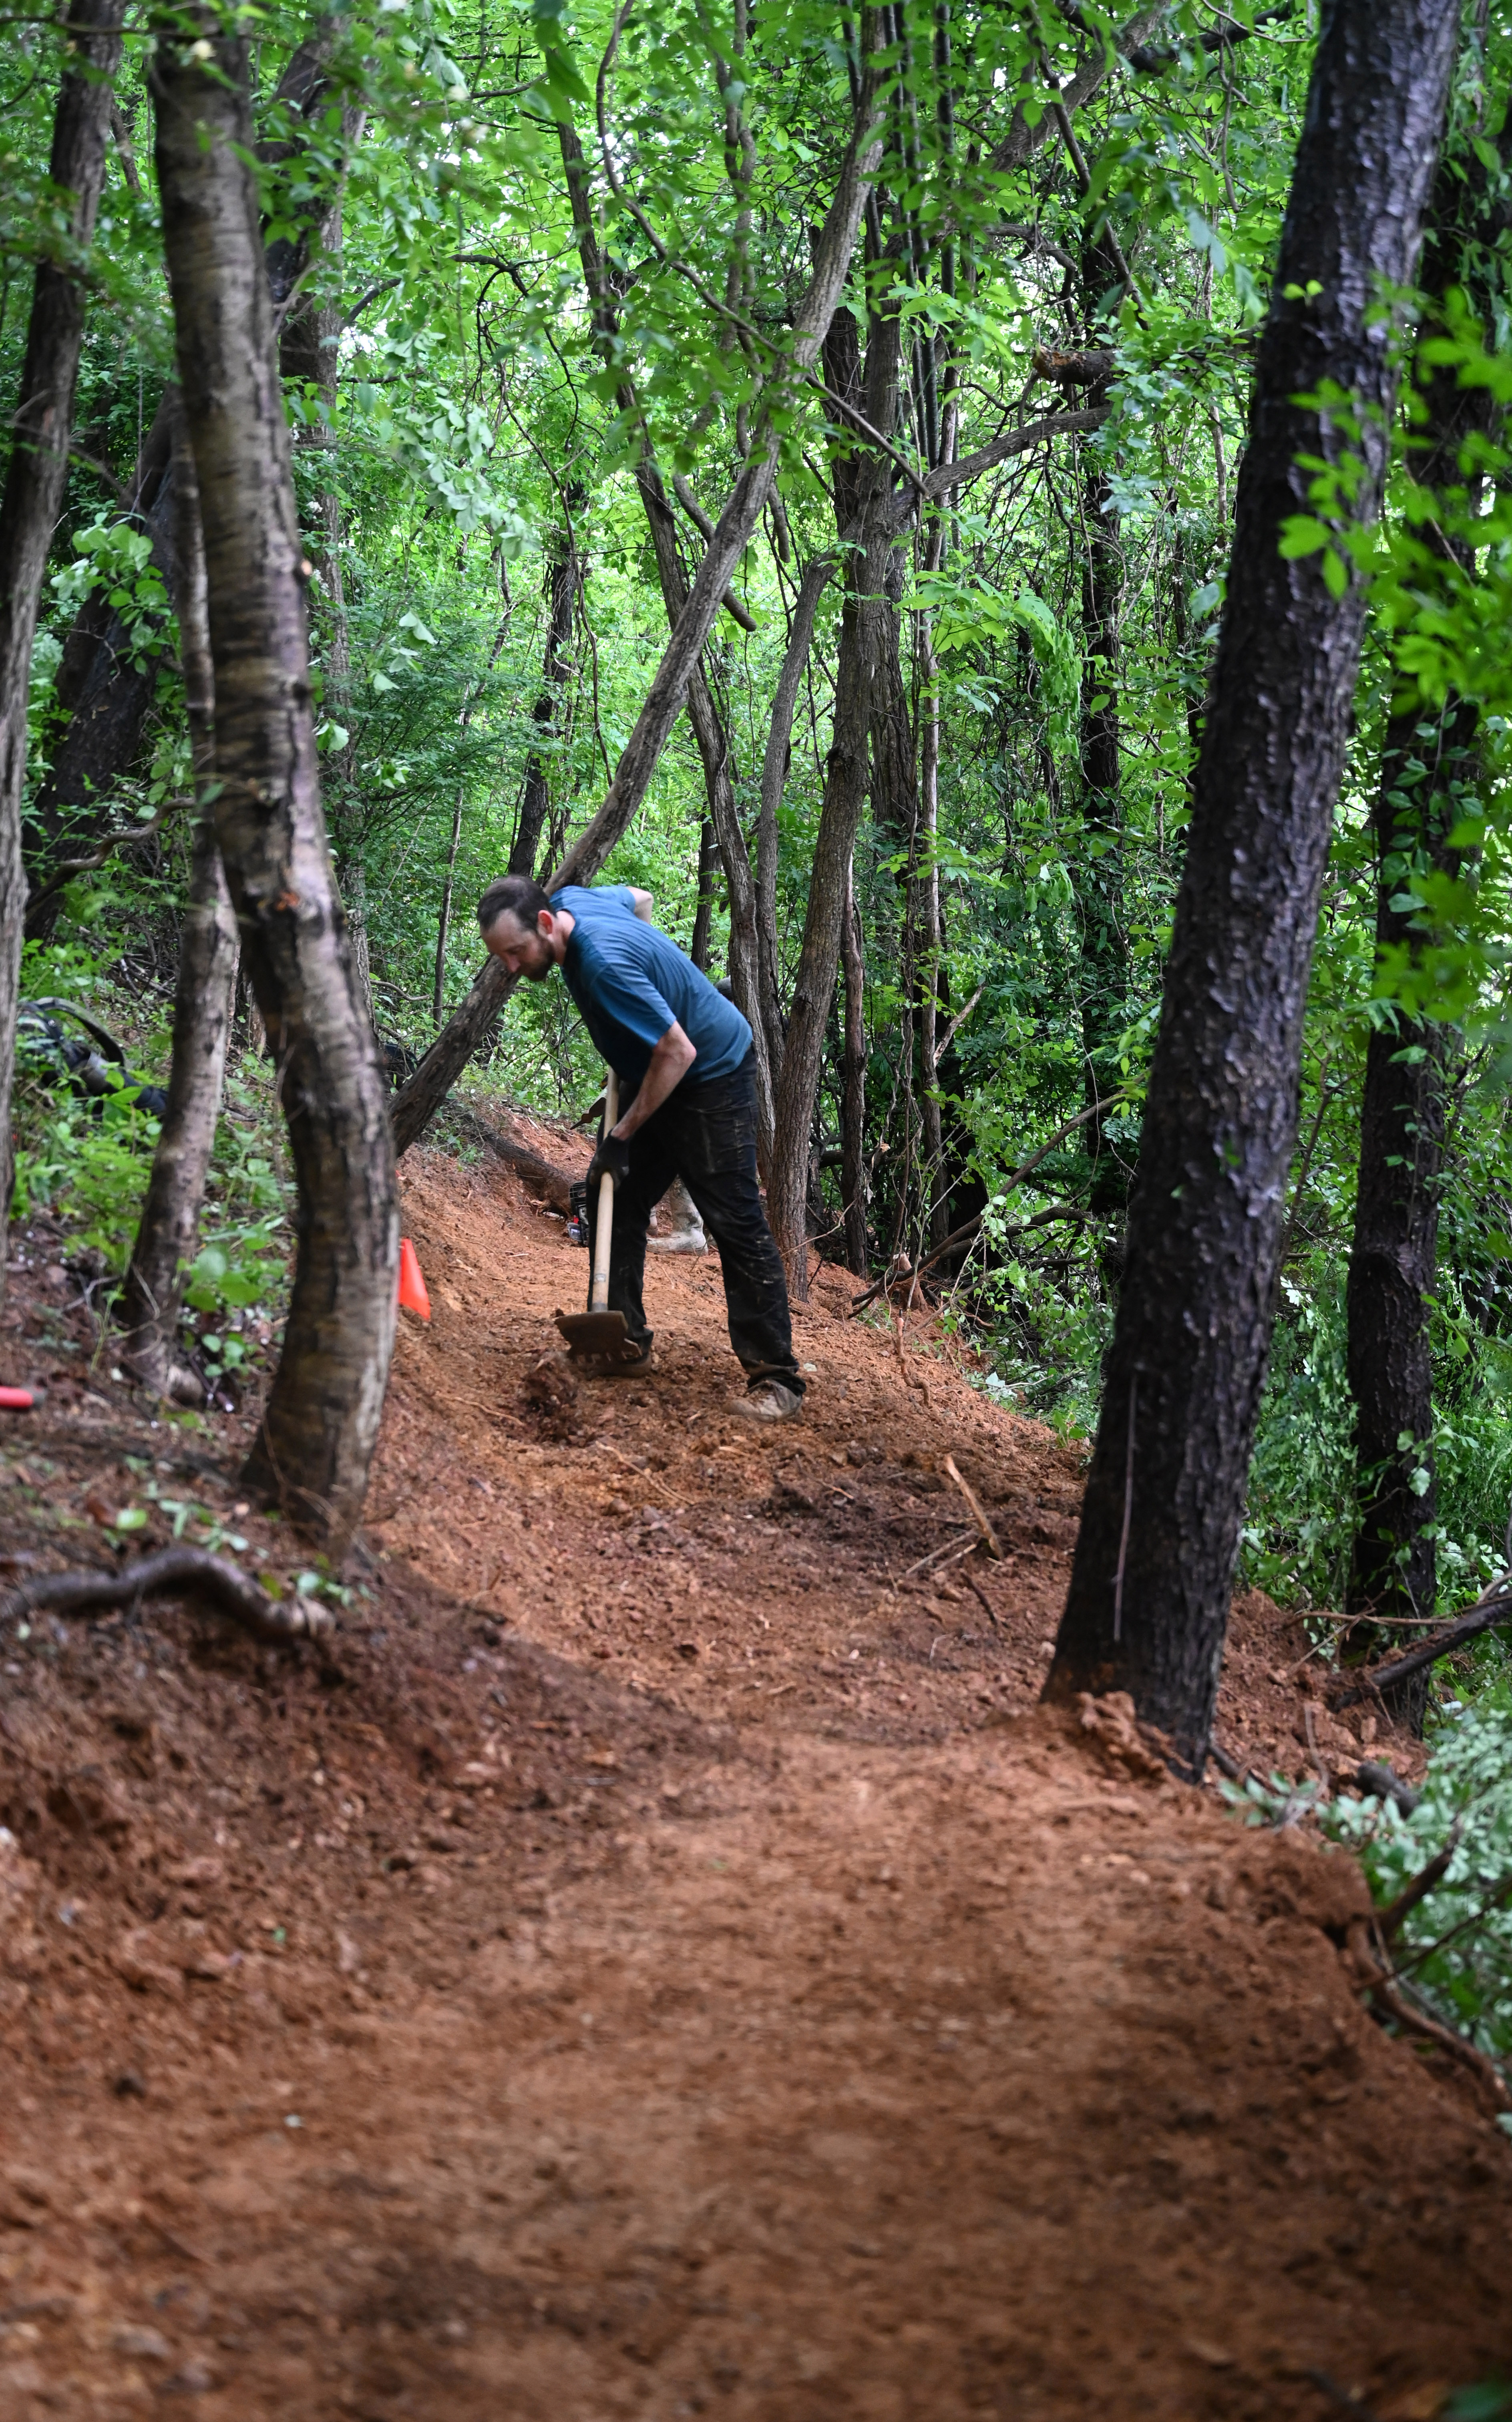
683 1058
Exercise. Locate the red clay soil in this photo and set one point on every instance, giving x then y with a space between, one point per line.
657 1959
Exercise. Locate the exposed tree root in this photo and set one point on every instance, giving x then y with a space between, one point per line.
171 1569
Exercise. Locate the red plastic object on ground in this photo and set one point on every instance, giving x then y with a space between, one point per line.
16 1400
412 1294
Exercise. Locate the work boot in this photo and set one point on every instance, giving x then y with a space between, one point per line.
768 1401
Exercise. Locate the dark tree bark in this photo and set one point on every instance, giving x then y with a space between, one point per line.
1430 763
704 913
104 687
320 1426
418 1101
35 477
443 927
776 760
862 504
853 1084
152 1292
564 579
1149 1596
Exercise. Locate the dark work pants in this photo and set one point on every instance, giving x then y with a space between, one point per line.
706 1136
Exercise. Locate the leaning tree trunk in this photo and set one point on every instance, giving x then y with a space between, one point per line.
419 1100
320 1426
1149 1597
1430 763
36 478
154 1290
709 725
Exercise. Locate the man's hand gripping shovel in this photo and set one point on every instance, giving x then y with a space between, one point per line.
597 1339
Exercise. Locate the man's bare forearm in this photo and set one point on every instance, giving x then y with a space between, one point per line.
670 1062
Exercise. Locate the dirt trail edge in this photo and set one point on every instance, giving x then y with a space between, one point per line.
659 1959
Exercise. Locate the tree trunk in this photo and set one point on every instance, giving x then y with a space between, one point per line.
862 499
853 1086
704 913
320 1426
35 480
817 574
104 687
1149 1596
154 1290
563 581
1430 764
418 1101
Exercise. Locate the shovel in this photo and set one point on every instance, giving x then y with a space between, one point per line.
598 1335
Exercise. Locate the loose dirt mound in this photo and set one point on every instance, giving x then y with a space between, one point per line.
659 1959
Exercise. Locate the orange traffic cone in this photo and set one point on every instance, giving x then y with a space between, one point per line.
412 1294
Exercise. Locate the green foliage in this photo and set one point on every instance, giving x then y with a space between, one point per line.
474 427
1455 1947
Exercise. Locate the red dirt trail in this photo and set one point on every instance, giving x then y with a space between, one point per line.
658 1959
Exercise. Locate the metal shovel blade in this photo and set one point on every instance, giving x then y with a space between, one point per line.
593 1336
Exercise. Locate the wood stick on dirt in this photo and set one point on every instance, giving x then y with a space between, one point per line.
971 1581
171 1569
989 1537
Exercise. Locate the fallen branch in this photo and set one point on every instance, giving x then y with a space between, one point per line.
1491 1612
989 1537
171 1569
1391 1918
1382 1987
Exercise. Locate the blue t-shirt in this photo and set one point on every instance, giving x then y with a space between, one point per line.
631 984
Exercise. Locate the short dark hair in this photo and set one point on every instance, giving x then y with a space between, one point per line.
513 895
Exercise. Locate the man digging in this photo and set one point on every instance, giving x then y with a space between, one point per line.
683 1055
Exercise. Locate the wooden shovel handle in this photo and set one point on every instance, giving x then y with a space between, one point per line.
598 1297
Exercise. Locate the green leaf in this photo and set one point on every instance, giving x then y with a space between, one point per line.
1335 573
1301 535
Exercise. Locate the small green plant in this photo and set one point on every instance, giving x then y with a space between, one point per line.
1455 1948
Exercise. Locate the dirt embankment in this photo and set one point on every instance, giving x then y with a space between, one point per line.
659 1959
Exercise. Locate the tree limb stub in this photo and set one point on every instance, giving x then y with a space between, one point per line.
172 1570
